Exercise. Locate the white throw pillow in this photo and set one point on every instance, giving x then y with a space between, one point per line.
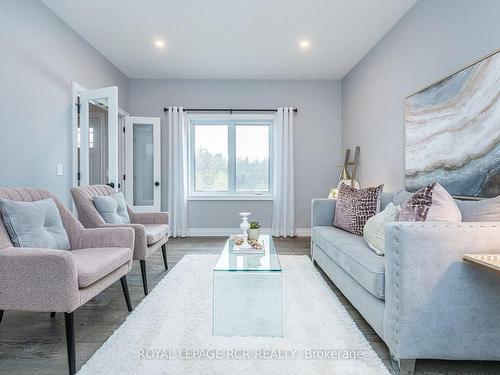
373 232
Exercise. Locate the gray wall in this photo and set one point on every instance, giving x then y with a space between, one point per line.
317 135
40 56
434 38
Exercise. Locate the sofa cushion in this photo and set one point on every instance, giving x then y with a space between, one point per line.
94 264
354 256
112 208
35 224
155 232
483 210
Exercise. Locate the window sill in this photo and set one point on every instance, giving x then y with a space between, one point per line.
230 198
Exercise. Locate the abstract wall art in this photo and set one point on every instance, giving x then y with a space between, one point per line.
453 132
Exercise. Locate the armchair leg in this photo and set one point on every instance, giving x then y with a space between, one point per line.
164 251
144 277
52 314
123 281
69 323
1 315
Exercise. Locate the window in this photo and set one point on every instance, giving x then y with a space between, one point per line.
230 156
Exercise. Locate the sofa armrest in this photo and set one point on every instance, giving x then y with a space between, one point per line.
438 306
38 280
150 218
106 237
322 212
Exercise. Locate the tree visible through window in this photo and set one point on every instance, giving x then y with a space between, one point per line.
230 157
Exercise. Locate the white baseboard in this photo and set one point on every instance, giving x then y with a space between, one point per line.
217 232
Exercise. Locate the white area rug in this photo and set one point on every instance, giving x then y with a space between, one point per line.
173 325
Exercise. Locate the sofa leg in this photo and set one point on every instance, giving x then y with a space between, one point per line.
164 252
144 276
69 323
403 366
123 281
1 315
52 314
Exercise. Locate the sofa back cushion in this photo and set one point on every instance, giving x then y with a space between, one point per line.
355 206
112 208
34 224
385 199
483 210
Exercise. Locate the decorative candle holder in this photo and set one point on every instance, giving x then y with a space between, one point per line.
244 226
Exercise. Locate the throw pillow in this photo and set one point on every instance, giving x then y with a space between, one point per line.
112 208
431 203
355 206
373 232
483 210
34 224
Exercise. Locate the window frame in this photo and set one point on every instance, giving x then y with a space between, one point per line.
231 121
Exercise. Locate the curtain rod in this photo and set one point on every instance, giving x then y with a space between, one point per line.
230 110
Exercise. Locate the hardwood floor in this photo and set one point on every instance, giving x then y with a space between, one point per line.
34 343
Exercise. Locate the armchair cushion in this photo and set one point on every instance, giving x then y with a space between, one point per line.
35 224
112 208
94 264
155 232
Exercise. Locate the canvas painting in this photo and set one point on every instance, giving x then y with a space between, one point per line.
453 132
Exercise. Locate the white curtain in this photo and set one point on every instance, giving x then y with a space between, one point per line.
283 172
177 171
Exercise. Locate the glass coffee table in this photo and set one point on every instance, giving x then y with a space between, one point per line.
247 293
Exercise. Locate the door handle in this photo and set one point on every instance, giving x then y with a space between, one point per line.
157 183
112 184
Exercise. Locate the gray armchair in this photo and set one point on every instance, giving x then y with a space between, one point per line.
151 228
60 280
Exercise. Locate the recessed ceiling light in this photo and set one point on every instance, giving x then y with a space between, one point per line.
159 43
304 44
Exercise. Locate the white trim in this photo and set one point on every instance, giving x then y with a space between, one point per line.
223 232
111 93
235 197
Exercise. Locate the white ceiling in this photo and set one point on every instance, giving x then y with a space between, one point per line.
232 39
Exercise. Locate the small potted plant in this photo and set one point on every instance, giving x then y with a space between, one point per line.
254 231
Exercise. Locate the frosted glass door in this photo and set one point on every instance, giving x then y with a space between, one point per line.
142 160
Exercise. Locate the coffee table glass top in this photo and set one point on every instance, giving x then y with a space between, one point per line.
267 262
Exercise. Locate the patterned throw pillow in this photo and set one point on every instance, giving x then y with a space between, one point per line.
355 206
431 203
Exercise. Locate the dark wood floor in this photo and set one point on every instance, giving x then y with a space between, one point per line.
34 343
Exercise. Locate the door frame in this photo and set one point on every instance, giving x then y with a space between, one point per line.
130 121
76 89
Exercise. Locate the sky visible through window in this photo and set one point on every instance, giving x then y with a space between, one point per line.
212 156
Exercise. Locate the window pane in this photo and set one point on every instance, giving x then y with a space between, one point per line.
252 158
211 166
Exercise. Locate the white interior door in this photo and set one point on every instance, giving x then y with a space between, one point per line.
98 143
142 163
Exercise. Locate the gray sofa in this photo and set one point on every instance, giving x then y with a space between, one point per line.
420 298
